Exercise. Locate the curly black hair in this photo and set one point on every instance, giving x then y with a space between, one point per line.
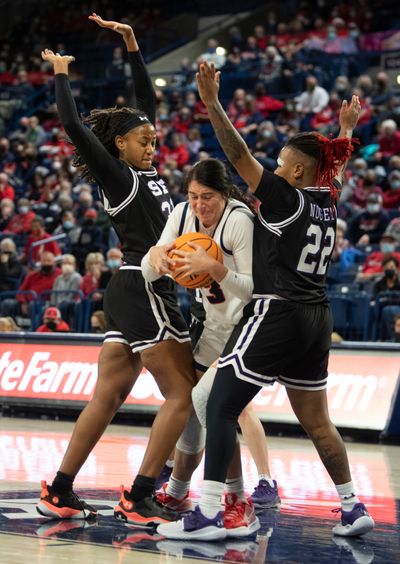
105 124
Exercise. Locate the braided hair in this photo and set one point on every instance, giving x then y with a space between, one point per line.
214 174
330 155
105 124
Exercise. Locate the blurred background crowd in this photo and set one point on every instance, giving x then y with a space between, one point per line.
283 75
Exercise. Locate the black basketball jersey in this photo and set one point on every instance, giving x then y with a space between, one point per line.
140 218
294 236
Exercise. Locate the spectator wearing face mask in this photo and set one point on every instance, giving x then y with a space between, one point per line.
374 261
90 238
368 226
52 322
114 261
11 269
69 227
389 141
98 322
361 192
310 102
390 280
391 198
21 222
68 281
33 253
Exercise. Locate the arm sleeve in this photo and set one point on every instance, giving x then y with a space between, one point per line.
104 167
240 242
143 95
277 195
169 234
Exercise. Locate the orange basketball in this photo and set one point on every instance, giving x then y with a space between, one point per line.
211 248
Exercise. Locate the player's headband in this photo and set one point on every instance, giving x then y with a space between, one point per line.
131 122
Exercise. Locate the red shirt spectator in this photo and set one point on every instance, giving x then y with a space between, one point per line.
200 113
40 280
6 191
38 234
389 145
183 120
21 223
52 322
178 151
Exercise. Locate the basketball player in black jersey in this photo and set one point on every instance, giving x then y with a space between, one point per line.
144 324
285 332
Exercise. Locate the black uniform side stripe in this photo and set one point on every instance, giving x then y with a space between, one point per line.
128 200
183 219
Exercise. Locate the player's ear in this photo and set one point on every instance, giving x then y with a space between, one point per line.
120 142
298 170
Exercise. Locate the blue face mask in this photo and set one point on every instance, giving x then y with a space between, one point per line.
331 35
113 263
387 247
373 208
395 184
67 224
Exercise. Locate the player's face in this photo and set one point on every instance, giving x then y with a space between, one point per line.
289 166
138 145
207 204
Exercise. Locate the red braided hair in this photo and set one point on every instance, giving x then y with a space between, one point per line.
330 154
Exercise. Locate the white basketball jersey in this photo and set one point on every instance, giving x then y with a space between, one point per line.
234 234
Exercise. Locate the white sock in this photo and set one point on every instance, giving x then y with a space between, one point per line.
210 500
177 488
267 478
347 495
170 463
236 485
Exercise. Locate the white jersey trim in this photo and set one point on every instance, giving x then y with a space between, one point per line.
278 226
127 201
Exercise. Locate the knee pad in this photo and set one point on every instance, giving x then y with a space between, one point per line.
201 392
193 437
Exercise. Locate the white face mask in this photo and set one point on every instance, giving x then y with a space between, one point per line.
67 268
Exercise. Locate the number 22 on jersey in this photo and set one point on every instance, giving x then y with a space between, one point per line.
315 255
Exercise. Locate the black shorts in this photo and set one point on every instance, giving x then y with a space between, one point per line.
283 341
141 314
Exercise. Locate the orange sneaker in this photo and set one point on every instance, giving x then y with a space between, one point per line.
147 512
240 519
180 505
63 506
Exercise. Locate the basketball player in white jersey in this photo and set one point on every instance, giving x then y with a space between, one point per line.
218 209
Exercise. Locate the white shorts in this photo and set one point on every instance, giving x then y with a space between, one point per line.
210 345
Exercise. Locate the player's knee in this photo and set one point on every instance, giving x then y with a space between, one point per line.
200 398
193 437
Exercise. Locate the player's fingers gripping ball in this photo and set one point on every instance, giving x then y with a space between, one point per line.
182 243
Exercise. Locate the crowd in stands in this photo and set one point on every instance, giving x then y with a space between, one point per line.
56 238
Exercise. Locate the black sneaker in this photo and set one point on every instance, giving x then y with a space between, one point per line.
147 512
63 506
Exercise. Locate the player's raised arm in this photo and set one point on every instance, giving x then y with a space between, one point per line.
230 140
348 119
143 96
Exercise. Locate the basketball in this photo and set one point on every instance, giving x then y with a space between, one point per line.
211 248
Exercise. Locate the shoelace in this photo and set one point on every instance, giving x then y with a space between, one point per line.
194 517
261 487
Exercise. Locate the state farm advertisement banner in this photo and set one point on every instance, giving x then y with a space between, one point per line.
361 383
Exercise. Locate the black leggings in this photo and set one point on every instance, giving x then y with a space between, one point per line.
228 397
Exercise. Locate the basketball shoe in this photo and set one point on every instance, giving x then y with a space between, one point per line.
195 526
353 523
63 506
147 512
164 476
265 496
180 505
240 519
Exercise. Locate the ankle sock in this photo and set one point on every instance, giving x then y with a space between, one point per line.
267 478
142 487
210 501
63 483
177 488
235 485
348 497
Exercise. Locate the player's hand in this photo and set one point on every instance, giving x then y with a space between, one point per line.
123 29
196 262
56 59
350 113
160 260
208 83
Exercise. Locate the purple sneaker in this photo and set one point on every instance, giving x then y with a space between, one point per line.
163 477
354 523
265 496
195 526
